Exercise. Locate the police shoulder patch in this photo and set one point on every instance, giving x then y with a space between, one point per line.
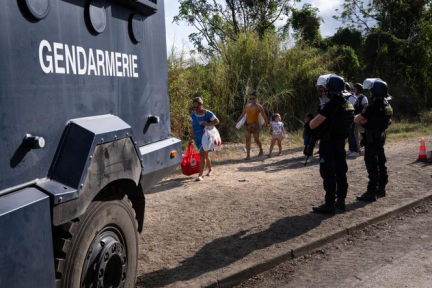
349 106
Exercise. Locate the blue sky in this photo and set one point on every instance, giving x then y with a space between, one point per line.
177 34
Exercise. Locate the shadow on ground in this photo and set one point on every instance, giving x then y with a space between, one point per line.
254 159
420 163
224 251
274 167
170 184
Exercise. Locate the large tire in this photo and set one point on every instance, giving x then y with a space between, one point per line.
100 249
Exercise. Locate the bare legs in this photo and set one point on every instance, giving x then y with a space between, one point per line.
272 143
248 144
205 161
248 136
258 142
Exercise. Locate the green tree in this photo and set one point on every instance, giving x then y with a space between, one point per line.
349 37
398 17
383 53
221 21
397 47
306 24
344 61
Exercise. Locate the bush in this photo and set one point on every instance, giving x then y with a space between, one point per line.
283 77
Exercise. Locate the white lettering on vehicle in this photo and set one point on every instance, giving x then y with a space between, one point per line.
61 58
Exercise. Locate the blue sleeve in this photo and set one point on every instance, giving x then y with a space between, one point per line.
210 116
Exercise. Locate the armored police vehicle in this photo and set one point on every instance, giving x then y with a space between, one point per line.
85 130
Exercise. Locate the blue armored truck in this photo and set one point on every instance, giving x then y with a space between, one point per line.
85 130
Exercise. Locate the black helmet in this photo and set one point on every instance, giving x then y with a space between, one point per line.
379 88
347 86
335 84
359 87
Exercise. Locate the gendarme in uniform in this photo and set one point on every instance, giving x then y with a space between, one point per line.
375 119
332 125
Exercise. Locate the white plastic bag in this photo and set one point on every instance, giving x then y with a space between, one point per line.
211 138
261 120
241 122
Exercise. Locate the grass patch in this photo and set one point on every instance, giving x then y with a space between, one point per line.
403 130
408 129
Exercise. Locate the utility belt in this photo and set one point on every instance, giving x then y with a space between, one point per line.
373 136
327 136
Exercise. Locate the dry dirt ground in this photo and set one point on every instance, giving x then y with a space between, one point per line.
391 254
248 212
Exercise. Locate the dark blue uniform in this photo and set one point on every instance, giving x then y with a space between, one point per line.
379 115
333 165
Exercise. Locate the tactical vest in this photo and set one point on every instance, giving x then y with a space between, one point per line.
340 122
358 106
382 120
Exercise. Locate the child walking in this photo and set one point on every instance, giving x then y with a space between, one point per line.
278 133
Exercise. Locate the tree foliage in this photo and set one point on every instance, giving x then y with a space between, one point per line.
399 17
284 79
397 46
349 37
222 21
306 24
389 39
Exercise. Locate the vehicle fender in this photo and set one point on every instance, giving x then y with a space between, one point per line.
94 152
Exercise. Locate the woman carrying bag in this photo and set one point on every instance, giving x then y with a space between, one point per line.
202 118
253 112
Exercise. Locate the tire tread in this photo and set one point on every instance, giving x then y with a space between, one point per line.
64 234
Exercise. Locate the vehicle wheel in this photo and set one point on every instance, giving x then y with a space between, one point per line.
100 249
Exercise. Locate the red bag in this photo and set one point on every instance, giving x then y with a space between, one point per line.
191 162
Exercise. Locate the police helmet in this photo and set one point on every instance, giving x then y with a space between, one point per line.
347 86
377 87
322 80
359 87
335 84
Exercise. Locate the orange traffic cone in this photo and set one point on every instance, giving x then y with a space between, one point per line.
422 153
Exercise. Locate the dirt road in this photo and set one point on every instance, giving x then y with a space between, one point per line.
391 254
197 232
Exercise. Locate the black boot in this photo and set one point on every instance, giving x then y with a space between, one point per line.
370 195
381 192
340 204
325 209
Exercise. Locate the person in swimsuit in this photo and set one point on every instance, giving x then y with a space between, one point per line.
252 111
201 118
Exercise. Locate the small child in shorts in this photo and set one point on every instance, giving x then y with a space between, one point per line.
278 133
306 129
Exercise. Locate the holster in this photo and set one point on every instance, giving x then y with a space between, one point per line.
372 136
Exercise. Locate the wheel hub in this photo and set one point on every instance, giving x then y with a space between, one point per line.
106 262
